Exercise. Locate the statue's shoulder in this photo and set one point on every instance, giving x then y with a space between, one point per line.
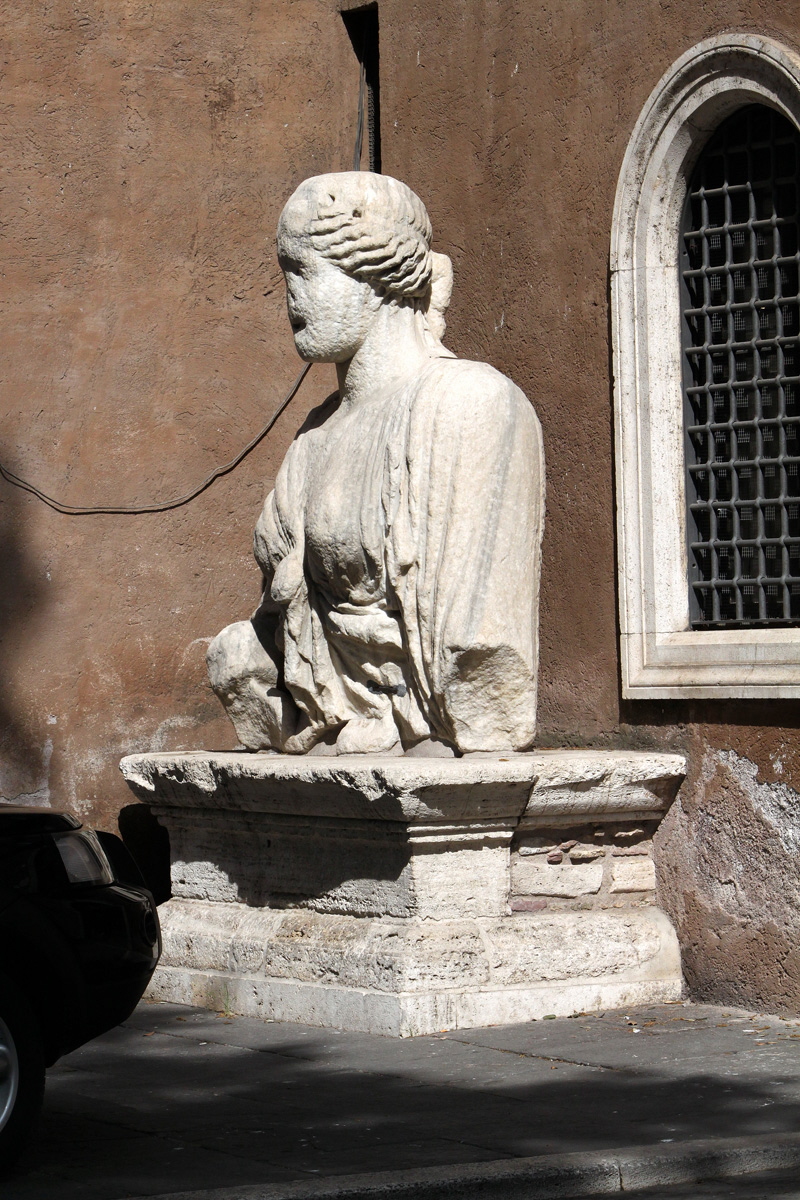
319 415
296 460
476 389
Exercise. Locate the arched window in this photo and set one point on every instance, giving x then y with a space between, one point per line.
739 270
705 329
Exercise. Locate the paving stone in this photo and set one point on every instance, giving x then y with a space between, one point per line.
781 1185
113 1168
255 1102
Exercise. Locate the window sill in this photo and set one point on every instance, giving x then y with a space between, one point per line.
746 664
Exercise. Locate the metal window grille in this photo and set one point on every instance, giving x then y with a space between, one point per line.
739 268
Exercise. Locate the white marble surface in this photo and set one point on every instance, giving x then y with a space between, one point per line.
400 549
541 784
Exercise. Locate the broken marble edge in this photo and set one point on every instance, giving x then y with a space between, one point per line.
578 784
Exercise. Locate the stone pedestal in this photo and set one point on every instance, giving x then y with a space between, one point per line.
408 895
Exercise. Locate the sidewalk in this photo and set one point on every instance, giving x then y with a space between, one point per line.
181 1100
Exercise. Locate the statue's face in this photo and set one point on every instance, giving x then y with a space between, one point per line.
330 312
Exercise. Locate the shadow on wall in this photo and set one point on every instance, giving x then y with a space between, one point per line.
739 715
148 842
286 858
23 759
22 600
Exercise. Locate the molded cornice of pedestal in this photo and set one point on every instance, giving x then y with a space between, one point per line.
538 786
599 783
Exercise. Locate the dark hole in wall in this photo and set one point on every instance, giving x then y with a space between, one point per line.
362 27
148 842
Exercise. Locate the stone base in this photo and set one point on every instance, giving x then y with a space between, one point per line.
408 977
406 897
401 1015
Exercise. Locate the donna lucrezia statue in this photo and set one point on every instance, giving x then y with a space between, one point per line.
401 546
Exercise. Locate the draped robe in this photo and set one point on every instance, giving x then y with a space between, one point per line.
401 556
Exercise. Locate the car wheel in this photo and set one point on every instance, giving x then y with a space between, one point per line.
21 1071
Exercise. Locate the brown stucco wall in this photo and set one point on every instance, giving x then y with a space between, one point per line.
148 151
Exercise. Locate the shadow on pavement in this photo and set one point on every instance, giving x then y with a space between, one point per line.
181 1099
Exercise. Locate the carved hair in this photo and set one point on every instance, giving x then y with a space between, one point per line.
375 229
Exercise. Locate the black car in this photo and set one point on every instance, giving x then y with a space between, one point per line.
79 941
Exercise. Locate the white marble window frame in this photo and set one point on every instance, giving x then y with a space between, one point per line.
661 656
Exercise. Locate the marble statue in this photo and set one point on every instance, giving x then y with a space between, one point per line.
401 546
404 881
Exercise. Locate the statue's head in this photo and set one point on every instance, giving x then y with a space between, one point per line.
349 243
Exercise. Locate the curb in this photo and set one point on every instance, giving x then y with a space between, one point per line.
547 1177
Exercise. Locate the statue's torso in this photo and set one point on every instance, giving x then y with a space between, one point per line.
401 538
342 513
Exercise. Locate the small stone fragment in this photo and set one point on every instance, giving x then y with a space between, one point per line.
533 877
633 875
583 853
555 856
528 905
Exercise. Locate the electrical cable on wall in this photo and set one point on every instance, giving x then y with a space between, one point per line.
77 510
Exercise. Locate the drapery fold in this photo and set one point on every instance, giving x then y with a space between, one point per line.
406 595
